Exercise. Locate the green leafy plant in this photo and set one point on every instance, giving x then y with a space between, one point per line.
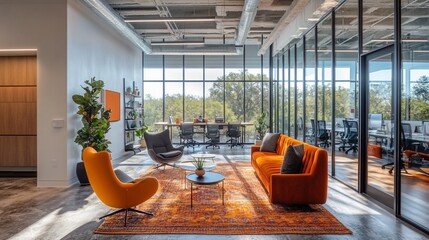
133 114
95 118
261 125
198 163
140 132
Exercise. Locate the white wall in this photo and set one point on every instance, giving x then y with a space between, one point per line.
72 46
96 49
42 25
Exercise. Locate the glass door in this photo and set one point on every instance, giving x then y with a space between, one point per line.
377 124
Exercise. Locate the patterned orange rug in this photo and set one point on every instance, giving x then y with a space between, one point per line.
247 209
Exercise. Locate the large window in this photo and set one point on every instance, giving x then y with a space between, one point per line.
186 87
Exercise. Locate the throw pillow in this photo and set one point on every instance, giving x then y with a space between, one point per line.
292 160
269 143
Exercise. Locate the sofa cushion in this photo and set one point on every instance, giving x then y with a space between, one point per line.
269 164
292 160
269 143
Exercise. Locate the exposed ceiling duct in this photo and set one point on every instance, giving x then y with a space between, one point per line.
246 20
208 50
104 10
295 21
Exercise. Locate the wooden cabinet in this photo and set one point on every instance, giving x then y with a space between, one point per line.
18 111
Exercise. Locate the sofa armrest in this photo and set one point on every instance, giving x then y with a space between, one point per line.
301 188
254 148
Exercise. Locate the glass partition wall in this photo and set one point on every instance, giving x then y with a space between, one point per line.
333 100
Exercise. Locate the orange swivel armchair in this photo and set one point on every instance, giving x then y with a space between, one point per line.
110 190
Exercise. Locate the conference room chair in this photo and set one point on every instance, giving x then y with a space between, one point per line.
311 132
113 192
234 134
405 145
187 135
322 134
161 150
213 134
350 137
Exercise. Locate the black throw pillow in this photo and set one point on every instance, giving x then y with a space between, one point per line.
269 143
292 160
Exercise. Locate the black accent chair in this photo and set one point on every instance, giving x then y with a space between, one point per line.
213 134
161 150
322 134
187 135
350 137
234 134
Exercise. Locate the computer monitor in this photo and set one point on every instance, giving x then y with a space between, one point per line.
375 121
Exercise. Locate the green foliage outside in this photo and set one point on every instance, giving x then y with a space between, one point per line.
95 118
380 99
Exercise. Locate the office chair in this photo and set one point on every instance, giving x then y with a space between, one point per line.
322 134
187 135
213 134
404 146
111 190
311 133
234 134
351 135
161 150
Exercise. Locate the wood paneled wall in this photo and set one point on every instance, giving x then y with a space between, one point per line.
18 111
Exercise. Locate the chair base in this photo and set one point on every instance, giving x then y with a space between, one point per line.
213 145
126 210
354 148
165 164
234 142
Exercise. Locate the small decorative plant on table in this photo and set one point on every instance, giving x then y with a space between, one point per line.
261 127
199 167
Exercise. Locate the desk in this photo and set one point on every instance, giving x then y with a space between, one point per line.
171 125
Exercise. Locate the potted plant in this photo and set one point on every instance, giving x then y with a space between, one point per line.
95 120
140 134
261 127
199 166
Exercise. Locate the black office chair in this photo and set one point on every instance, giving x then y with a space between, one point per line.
405 145
351 135
311 133
187 135
234 134
213 134
161 150
322 134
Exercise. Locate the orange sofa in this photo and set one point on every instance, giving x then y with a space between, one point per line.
308 187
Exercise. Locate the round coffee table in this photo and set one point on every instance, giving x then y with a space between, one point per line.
210 178
203 156
189 166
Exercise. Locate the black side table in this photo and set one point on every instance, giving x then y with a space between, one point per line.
210 178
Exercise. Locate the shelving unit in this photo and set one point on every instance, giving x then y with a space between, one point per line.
133 113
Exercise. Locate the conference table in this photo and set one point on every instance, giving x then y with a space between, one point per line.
170 126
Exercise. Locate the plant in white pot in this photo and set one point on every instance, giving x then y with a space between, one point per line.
95 120
261 127
140 134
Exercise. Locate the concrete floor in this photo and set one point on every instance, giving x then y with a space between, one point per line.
29 212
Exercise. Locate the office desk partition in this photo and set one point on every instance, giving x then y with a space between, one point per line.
171 125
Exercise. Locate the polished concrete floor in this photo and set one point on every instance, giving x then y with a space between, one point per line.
29 212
